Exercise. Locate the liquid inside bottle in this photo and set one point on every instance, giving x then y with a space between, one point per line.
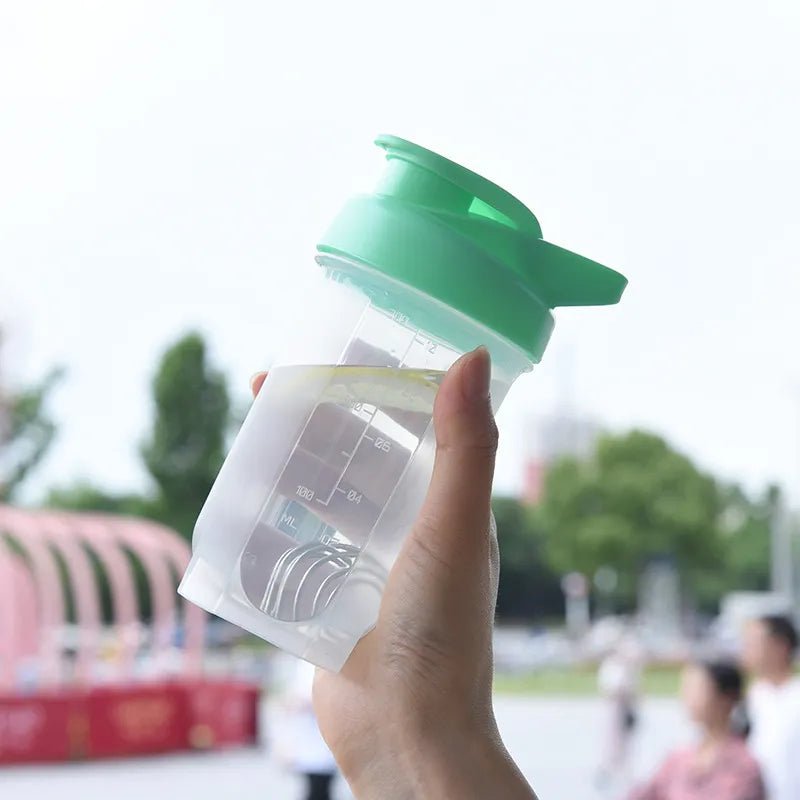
355 446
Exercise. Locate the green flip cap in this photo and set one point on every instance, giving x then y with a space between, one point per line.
447 232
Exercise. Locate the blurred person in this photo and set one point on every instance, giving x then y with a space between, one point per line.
719 766
301 744
773 702
618 681
410 714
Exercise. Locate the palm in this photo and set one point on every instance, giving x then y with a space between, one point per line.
434 611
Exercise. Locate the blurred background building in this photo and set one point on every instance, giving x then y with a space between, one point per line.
549 438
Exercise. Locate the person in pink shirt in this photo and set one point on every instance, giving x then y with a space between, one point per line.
719 766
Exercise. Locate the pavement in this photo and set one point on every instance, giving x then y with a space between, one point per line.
557 743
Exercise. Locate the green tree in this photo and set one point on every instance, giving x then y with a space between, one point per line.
747 537
528 589
186 446
85 497
26 432
633 499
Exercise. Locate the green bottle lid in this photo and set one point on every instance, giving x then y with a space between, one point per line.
448 233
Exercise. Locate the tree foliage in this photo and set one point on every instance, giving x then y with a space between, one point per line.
746 536
186 446
529 589
635 498
26 432
85 497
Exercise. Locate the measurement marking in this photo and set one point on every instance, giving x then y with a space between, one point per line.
369 438
324 502
352 455
289 521
408 349
339 489
354 497
345 453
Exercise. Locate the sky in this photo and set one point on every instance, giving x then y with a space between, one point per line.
168 166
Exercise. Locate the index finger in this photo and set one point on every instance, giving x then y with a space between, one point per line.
257 381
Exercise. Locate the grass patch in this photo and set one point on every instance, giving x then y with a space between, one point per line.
582 682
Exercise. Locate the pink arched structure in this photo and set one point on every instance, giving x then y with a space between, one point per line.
42 534
19 621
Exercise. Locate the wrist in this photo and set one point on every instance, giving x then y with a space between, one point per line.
479 768
469 766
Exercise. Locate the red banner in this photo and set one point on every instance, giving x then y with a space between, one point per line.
125 721
41 728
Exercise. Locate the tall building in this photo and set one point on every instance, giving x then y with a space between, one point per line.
549 438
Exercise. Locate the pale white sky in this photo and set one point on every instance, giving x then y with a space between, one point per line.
166 165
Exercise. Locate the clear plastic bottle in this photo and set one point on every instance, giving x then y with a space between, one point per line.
324 480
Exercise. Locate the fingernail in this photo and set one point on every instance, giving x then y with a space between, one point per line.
253 379
477 375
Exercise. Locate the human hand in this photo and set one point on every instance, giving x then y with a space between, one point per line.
410 714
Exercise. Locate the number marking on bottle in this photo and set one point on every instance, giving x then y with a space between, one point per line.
398 316
382 444
305 493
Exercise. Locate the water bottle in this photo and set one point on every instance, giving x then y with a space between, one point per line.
331 465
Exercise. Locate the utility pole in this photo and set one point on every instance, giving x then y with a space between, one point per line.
781 552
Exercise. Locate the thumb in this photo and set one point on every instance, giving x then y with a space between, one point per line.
458 502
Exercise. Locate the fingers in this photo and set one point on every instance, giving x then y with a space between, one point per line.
257 381
459 497
466 440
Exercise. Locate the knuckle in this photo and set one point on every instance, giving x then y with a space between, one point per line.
492 434
422 548
417 652
482 441
485 436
